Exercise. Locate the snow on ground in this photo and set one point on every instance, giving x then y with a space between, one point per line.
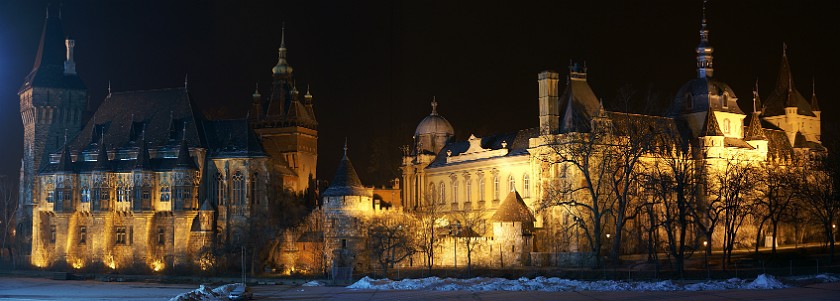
554 284
204 293
313 283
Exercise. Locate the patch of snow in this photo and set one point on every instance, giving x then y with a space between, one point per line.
205 293
313 283
554 284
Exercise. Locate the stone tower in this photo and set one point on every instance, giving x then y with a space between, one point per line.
52 101
287 126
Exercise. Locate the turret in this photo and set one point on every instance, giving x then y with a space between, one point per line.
548 101
705 66
69 64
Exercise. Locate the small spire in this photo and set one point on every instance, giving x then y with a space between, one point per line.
65 137
60 4
308 91
283 35
186 80
755 97
345 147
703 21
813 86
815 105
48 10
434 105
257 89
109 88
784 49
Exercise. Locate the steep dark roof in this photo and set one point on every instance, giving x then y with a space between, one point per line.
232 138
346 181
513 209
801 142
785 94
754 129
143 161
710 126
48 70
164 114
578 104
184 161
206 206
516 143
778 145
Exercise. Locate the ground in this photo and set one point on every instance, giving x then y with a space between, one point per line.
44 289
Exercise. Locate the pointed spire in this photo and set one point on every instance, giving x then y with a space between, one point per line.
784 49
102 162
434 106
109 89
48 10
257 90
710 126
345 147
184 161
754 129
282 68
283 35
186 80
601 111
756 100
815 105
308 95
143 158
704 49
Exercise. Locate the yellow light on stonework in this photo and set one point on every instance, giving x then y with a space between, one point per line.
110 262
78 263
157 265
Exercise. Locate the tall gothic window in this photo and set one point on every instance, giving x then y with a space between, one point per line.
496 187
220 189
161 235
432 193
253 187
442 191
468 190
481 188
511 183
82 235
52 234
526 185
238 189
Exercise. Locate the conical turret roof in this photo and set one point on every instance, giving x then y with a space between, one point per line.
513 209
754 129
710 126
346 181
184 161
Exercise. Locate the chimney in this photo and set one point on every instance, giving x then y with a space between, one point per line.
69 64
548 98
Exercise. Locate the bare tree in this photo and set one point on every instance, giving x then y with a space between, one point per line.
818 188
732 186
8 211
775 192
428 218
585 165
474 228
673 184
389 242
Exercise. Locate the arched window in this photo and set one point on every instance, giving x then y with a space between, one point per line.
468 190
496 187
481 188
726 125
85 194
442 191
432 193
165 194
511 183
238 189
220 189
455 191
526 185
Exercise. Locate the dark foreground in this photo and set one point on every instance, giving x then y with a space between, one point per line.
44 289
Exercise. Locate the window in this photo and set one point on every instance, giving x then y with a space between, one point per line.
496 187
726 126
481 188
85 194
52 234
455 191
432 193
146 194
238 189
344 244
51 197
220 189
120 235
165 194
161 235
442 191
511 183
468 191
82 235
526 182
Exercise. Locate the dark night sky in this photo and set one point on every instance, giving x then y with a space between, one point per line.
374 66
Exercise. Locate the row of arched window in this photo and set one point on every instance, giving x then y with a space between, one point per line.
237 183
438 191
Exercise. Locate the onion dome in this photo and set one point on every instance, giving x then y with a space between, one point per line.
282 68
